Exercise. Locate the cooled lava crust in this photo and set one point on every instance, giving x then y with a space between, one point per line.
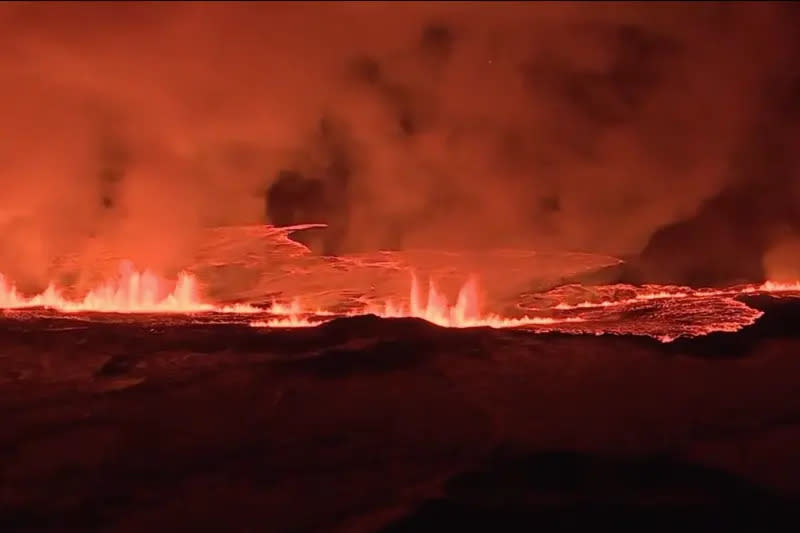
368 424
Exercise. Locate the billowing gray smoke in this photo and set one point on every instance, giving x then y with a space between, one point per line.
618 128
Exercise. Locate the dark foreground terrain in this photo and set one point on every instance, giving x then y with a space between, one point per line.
374 425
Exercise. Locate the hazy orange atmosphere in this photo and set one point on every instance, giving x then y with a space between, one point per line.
129 128
358 256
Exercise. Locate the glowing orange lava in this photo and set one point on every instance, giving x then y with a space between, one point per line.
292 321
436 309
294 309
291 315
660 311
775 287
131 292
466 313
648 294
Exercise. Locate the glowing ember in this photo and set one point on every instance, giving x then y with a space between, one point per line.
132 292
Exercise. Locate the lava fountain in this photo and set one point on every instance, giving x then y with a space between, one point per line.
465 313
434 308
131 292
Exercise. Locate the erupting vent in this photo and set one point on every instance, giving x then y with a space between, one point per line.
132 292
662 312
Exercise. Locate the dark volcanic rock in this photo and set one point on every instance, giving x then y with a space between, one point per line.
572 490
363 424
117 365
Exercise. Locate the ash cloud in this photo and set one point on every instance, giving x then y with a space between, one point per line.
130 127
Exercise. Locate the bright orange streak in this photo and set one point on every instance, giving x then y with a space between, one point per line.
132 292
661 295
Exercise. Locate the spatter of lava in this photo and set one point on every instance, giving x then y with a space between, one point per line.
435 308
131 292
662 312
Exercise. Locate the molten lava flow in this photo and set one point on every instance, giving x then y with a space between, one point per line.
294 309
651 293
435 308
292 315
362 285
642 297
775 287
132 292
665 313
292 321
662 312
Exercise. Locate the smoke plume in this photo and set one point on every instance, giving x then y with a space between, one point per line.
130 127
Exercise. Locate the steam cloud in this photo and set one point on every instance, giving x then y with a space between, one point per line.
616 128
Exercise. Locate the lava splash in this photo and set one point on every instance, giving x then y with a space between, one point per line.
465 313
